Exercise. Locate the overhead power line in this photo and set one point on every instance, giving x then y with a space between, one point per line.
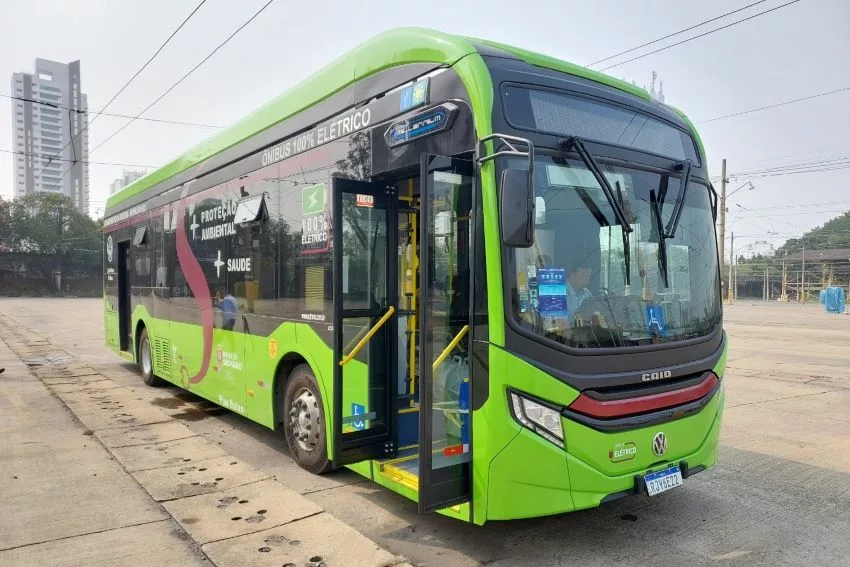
777 105
668 36
46 156
729 25
790 169
183 78
127 84
112 114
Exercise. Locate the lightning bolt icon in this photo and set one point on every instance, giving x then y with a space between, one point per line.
314 196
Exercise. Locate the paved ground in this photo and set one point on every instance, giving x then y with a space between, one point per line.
94 474
780 496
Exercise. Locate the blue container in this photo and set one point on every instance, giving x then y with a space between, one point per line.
834 300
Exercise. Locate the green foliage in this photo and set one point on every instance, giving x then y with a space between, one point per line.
48 224
833 234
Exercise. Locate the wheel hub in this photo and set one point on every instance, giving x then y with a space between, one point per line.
304 419
145 355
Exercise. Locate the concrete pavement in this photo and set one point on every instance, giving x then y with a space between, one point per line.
63 499
779 496
92 474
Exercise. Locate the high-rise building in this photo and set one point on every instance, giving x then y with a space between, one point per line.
50 127
128 177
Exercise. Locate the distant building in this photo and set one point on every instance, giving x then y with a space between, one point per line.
43 127
128 177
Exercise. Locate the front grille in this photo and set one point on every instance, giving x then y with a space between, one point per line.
645 388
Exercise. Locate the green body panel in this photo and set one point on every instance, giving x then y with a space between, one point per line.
476 78
110 325
493 428
590 485
528 478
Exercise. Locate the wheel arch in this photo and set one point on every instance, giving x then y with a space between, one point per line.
287 363
137 335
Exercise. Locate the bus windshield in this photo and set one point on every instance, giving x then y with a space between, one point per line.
571 286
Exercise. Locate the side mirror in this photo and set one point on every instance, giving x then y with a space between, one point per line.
516 211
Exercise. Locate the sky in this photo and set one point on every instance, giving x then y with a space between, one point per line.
793 52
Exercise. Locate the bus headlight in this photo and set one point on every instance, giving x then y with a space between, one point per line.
539 418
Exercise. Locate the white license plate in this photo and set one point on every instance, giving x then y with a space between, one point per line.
662 481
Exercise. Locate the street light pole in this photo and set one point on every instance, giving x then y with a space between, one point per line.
721 241
731 263
803 276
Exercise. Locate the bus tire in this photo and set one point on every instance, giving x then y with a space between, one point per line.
304 422
145 361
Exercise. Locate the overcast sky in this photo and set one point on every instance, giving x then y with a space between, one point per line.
796 51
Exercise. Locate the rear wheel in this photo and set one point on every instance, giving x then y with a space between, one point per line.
145 361
303 420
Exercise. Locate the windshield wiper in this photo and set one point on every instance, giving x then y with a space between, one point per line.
627 254
617 206
662 241
673 223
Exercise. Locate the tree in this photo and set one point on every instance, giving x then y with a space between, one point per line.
5 225
833 234
48 224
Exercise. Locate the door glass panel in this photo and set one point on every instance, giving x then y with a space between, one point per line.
364 404
449 194
364 253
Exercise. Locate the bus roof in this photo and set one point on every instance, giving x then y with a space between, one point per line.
389 49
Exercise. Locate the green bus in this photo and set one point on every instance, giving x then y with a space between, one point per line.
481 277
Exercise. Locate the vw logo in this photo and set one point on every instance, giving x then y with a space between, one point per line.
659 443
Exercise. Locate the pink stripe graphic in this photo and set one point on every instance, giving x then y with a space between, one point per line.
197 281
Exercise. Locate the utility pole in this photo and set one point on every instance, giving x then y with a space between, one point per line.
764 286
784 295
721 241
803 276
731 263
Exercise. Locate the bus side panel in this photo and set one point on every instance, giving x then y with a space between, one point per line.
263 355
517 474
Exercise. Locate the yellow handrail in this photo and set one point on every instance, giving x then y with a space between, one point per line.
368 336
450 347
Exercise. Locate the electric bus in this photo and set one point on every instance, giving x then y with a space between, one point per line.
484 278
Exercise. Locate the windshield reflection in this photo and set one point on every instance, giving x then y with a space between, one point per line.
572 287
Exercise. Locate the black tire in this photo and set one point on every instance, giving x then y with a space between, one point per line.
145 350
302 406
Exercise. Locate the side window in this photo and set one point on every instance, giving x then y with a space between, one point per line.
175 279
209 228
304 255
158 251
141 254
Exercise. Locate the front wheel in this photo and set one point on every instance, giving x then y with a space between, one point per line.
145 361
304 421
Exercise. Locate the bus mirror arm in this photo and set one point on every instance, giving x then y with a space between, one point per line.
516 191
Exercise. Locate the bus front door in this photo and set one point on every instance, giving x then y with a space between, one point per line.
444 331
365 242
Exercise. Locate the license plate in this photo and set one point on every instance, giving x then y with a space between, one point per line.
662 481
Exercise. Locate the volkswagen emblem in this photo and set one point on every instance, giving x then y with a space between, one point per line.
659 443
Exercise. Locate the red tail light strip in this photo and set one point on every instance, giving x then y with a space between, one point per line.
631 406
